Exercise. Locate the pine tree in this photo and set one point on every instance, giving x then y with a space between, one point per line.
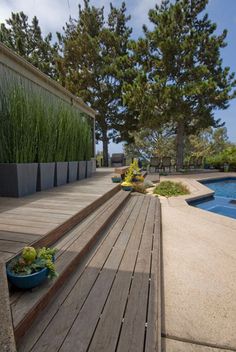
26 40
95 64
180 78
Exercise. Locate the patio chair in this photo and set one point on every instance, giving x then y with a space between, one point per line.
166 163
117 159
155 163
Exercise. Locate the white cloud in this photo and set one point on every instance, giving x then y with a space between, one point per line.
53 14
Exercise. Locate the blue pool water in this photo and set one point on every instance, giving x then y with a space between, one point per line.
224 200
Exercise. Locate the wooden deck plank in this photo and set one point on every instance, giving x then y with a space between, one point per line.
66 241
83 327
107 331
27 217
132 336
27 223
65 264
67 312
18 236
49 214
10 246
114 304
153 333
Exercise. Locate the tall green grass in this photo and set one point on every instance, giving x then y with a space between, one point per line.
36 126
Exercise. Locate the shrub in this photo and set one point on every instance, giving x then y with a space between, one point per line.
170 189
137 187
133 172
228 156
148 184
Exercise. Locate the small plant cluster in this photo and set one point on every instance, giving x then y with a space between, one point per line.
33 260
36 126
170 189
134 178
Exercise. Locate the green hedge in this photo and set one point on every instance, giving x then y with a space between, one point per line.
36 126
228 156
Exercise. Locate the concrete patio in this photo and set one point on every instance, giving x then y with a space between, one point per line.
199 274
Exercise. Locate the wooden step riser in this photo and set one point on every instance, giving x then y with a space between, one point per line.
68 225
25 324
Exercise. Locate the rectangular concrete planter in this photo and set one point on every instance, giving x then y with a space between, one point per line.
46 175
81 170
94 165
72 171
89 168
61 170
18 179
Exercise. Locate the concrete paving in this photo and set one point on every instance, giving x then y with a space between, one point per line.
199 274
170 345
7 340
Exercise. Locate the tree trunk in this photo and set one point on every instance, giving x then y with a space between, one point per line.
180 145
105 149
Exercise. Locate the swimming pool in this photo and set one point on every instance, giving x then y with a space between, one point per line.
224 200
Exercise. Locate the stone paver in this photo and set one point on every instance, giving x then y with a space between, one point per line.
199 274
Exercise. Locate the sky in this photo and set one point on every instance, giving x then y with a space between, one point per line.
53 14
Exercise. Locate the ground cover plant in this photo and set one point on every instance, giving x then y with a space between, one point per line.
170 189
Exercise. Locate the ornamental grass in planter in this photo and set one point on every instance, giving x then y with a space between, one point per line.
32 267
37 129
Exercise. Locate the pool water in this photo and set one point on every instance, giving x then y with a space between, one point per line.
224 200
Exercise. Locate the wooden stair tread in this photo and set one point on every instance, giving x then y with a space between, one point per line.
27 305
115 303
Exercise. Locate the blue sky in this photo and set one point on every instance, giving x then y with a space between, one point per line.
52 15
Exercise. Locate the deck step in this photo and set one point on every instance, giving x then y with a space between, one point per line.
59 231
112 301
73 246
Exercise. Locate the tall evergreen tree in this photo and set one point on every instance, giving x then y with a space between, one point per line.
26 40
180 78
95 64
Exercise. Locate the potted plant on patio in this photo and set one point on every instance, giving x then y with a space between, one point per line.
18 169
127 186
116 179
32 267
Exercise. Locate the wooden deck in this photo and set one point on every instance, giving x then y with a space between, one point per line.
111 302
43 216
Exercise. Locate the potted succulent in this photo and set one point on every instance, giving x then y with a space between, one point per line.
31 267
116 179
127 186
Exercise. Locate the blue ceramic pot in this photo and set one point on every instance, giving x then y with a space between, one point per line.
127 188
28 281
116 179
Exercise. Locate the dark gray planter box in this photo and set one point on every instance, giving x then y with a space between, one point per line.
81 170
46 175
72 171
61 170
18 179
89 168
